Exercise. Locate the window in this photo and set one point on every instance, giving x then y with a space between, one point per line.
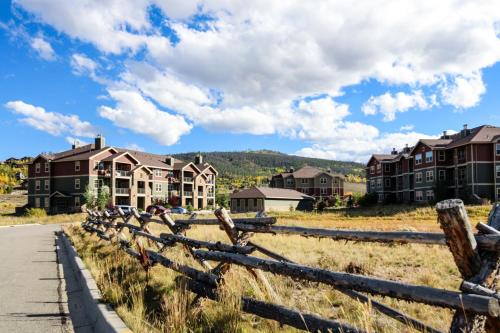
46 167
255 202
77 201
158 172
37 202
498 170
77 166
441 155
379 183
46 184
429 176
304 181
46 202
97 183
442 174
461 174
96 165
498 149
158 187
372 184
379 166
428 157
461 154
77 184
289 181
37 167
419 195
498 193
387 167
323 191
418 159
322 180
429 195
418 177
387 182
372 169
37 185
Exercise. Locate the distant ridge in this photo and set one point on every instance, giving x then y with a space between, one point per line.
267 162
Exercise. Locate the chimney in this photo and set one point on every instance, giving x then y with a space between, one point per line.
292 170
169 160
75 144
100 142
394 151
465 131
329 170
465 127
445 135
198 159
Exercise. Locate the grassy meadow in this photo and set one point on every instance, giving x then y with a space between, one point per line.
153 303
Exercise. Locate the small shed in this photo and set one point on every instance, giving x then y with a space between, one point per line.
269 199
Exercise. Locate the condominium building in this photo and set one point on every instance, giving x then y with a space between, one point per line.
462 165
57 182
311 181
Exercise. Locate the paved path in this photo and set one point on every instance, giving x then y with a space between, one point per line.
30 300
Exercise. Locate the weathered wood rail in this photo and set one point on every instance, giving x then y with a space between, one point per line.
477 304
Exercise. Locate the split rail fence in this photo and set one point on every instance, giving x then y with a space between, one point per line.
476 305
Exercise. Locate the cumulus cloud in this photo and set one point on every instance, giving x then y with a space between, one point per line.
407 128
254 66
134 146
51 122
389 104
76 141
43 48
83 65
465 91
141 116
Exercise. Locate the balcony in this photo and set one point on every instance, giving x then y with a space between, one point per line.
188 179
210 194
122 191
105 173
188 194
141 191
122 173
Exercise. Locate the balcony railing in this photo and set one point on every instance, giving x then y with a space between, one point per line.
105 173
122 190
188 179
210 194
141 190
122 173
188 194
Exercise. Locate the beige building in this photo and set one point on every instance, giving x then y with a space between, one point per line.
257 199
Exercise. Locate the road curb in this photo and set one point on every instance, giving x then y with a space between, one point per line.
101 315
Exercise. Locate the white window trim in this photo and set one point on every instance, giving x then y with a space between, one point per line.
304 180
77 166
37 202
37 185
37 167
419 197
429 176
442 175
497 170
431 196
418 159
418 177
497 149
46 184
323 180
323 190
46 202
77 201
77 184
158 187
429 159
387 167
46 166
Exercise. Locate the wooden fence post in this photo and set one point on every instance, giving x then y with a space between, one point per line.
454 221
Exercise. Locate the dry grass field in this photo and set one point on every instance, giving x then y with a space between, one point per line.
153 303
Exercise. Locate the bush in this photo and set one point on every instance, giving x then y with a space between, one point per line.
369 199
35 212
189 208
320 206
222 199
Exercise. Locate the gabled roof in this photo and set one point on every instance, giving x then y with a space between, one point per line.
141 166
182 165
481 134
83 155
205 166
123 153
269 193
308 172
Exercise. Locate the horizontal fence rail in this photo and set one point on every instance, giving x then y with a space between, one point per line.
476 255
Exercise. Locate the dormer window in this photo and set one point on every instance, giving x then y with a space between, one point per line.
77 166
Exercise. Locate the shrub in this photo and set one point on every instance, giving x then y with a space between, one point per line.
35 212
320 206
369 199
189 208
222 199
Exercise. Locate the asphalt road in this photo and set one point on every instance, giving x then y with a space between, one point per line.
30 299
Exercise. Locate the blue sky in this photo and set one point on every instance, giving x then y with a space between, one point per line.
321 80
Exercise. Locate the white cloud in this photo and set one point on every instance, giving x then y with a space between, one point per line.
51 122
389 104
43 48
254 65
407 128
134 146
139 115
75 141
83 65
465 91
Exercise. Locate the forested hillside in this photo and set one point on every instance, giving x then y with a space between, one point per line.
265 163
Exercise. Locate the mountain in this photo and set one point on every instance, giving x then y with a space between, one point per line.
267 162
